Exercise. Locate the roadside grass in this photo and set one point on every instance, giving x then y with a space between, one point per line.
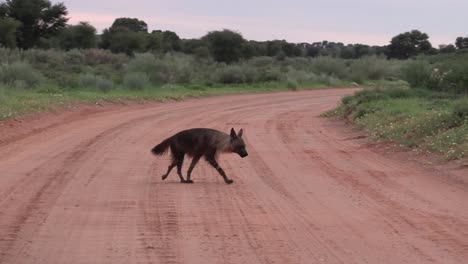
16 102
415 118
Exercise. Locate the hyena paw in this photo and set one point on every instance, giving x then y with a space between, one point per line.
188 181
229 181
164 177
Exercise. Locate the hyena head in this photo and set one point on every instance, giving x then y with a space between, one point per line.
237 143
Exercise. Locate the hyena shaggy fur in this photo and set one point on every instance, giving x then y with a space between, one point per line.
198 143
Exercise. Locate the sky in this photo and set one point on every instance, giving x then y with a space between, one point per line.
372 22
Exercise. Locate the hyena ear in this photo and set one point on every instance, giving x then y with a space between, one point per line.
240 132
233 133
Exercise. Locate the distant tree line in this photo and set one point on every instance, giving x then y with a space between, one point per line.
40 24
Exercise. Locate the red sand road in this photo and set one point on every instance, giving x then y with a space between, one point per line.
88 191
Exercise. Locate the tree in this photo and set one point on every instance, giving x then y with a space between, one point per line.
189 46
8 27
291 49
105 39
123 40
127 35
348 52
39 19
170 41
81 36
313 50
154 42
225 46
361 50
133 24
273 47
447 48
461 43
409 44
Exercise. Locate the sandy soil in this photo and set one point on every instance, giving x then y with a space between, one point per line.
82 187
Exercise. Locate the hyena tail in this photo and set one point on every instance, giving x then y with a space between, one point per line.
162 147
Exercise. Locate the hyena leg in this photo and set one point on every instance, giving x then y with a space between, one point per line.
177 160
192 165
180 161
173 164
211 159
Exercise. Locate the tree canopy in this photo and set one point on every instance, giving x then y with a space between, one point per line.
81 36
38 18
132 24
409 44
225 45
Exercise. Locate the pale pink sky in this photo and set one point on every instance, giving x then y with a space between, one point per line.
357 21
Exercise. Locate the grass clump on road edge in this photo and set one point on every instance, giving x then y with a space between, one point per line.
415 118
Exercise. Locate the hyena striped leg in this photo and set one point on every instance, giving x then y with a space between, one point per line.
215 164
192 165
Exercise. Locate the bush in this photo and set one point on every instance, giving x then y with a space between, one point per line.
38 56
104 85
301 76
230 75
261 61
20 73
74 57
157 71
461 109
270 74
329 66
455 78
250 74
96 82
100 56
372 68
88 80
292 84
417 73
136 80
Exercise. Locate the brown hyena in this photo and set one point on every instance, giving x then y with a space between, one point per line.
197 143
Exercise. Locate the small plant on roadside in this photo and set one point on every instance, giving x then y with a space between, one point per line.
136 80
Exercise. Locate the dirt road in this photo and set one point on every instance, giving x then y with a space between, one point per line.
88 191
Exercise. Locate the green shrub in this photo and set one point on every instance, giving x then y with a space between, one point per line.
136 80
230 75
373 68
461 109
99 56
96 82
270 74
250 74
88 80
74 57
20 72
329 66
157 71
38 56
261 61
104 85
68 81
455 78
417 73
301 76
292 84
